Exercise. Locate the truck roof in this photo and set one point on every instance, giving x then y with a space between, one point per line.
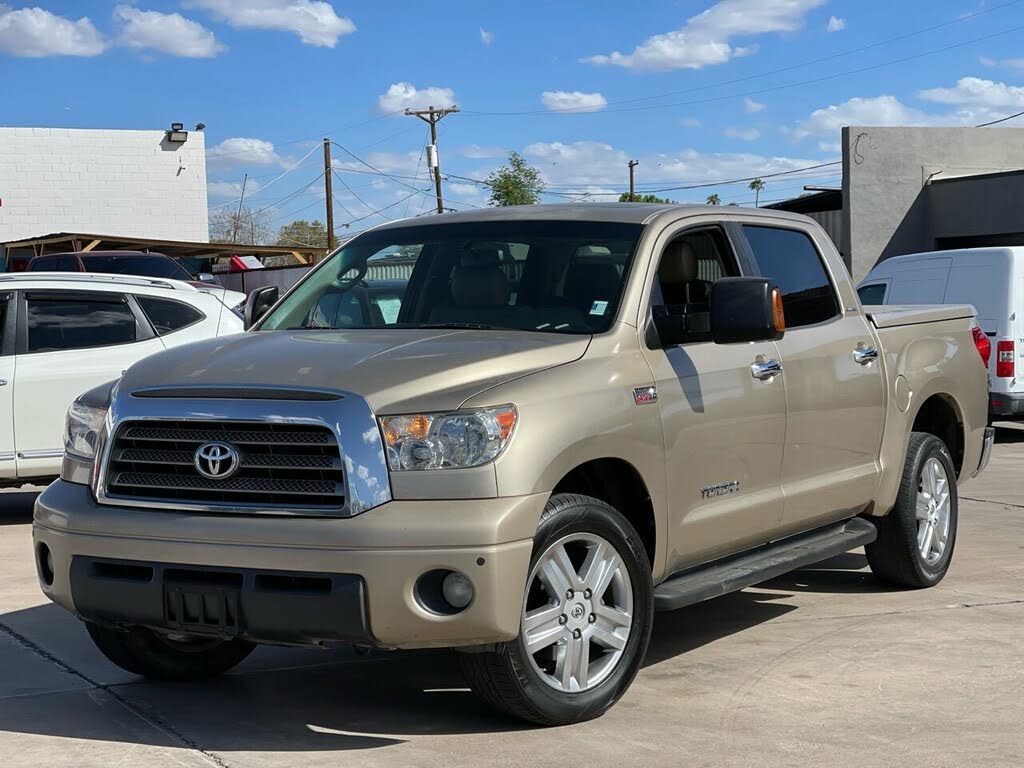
623 213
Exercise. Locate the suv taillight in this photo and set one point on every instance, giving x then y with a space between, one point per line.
983 344
1004 359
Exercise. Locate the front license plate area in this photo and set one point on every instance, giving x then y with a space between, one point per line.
211 610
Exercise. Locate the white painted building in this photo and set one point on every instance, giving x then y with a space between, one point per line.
119 183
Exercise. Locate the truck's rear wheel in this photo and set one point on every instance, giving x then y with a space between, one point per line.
158 656
586 622
915 540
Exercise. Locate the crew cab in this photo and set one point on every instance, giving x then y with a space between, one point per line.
61 333
577 416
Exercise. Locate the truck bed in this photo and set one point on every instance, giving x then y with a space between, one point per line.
893 315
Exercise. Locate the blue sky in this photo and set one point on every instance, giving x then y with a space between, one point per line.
697 91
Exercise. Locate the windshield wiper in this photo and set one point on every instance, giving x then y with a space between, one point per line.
460 326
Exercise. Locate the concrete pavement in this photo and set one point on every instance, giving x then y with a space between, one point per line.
820 667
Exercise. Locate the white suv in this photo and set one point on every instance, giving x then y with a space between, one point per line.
64 333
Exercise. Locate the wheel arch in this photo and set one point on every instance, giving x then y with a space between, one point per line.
940 415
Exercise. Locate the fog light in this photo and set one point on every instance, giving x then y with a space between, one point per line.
457 590
45 560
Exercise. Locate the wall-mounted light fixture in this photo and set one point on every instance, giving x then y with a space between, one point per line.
177 134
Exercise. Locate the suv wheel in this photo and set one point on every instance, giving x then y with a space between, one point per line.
161 656
915 540
586 621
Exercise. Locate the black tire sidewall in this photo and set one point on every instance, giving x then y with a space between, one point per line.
929 448
580 514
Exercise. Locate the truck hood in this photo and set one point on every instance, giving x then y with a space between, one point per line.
396 371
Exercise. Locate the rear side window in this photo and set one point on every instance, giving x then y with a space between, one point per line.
55 264
872 294
59 323
168 316
790 259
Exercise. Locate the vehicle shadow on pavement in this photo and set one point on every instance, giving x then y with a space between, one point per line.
1007 434
16 506
847 573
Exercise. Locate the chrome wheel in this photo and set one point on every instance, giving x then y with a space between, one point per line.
578 612
932 511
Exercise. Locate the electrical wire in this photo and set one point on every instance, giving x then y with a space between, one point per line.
269 183
381 210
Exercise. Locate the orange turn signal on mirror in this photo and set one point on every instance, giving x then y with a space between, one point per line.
777 314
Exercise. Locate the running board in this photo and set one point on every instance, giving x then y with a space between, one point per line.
774 560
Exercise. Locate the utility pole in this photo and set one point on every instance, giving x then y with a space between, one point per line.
632 164
433 117
238 216
329 191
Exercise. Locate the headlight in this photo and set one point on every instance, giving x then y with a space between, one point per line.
447 440
82 433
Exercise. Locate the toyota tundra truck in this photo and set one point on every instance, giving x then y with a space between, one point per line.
566 418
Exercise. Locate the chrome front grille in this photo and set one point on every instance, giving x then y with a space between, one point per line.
293 467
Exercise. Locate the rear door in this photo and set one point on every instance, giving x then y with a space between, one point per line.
834 384
8 325
68 342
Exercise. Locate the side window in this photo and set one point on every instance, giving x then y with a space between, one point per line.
65 264
4 301
45 264
790 259
61 323
168 316
872 294
690 264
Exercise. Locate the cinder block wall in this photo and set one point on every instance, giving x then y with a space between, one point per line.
129 183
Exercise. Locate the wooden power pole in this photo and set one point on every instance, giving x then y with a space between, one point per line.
433 117
632 164
329 191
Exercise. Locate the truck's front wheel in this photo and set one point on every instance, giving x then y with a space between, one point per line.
586 622
150 654
915 540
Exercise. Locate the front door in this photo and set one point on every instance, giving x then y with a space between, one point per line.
70 342
724 428
834 385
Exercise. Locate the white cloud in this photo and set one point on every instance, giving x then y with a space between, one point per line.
573 101
836 24
593 166
244 151
879 110
834 147
1006 63
707 38
744 134
314 21
977 94
477 152
230 190
752 106
35 33
689 122
401 96
486 37
169 33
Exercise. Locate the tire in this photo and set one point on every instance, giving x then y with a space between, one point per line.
896 557
533 686
143 652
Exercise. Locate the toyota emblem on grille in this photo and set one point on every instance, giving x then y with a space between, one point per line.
217 461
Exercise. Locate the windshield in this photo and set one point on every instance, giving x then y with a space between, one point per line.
144 266
545 276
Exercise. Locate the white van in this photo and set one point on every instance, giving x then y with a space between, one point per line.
992 279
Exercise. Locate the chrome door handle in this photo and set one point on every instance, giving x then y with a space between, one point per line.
865 355
3 382
765 370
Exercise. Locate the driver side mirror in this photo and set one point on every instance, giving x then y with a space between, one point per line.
206 277
258 303
745 309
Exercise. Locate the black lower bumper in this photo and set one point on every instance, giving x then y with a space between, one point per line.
262 606
1001 404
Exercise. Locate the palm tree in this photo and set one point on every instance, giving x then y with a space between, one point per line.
757 185
714 200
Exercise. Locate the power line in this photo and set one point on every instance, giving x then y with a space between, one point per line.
379 211
1000 120
269 183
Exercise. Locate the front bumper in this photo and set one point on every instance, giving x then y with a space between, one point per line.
293 580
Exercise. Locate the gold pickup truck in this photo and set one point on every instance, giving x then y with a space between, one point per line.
549 423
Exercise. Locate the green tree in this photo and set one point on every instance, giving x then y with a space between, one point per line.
305 234
757 185
714 200
517 183
624 198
